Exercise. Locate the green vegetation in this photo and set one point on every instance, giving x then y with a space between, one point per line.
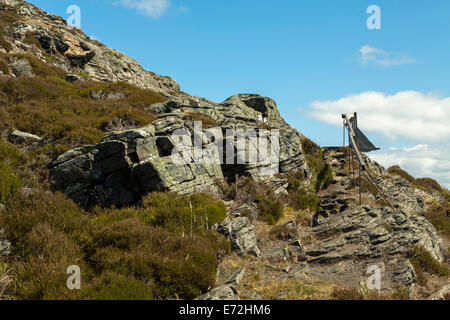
322 172
427 184
270 206
122 254
9 183
207 121
31 40
49 106
324 178
271 209
5 44
4 65
349 293
423 261
306 200
397 171
439 216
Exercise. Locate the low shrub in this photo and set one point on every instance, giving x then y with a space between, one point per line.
9 183
4 65
428 184
185 212
352 293
246 191
324 178
31 40
5 44
122 253
306 200
423 261
397 171
270 208
309 147
439 216
207 121
40 68
50 107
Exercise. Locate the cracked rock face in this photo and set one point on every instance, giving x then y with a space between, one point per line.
240 232
71 48
127 165
349 242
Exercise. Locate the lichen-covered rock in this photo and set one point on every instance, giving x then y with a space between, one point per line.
128 165
240 232
20 67
21 137
220 293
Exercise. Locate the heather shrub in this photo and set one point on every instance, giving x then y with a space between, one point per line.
397 171
270 208
428 184
122 253
9 183
439 216
423 261
64 113
306 200
207 121
181 213
324 178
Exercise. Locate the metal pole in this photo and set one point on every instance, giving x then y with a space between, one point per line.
359 182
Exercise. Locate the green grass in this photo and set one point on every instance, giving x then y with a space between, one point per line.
322 173
9 183
306 200
437 215
423 262
397 171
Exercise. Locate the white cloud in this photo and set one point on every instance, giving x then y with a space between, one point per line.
380 57
418 120
412 115
420 161
152 8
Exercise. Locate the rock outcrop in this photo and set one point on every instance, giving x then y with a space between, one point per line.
73 51
130 164
240 232
127 165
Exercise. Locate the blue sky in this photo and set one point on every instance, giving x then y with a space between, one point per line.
317 59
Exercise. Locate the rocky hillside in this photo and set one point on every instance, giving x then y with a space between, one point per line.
88 178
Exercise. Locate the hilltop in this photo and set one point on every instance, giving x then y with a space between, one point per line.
88 178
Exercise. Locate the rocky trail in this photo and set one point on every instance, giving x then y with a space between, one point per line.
338 248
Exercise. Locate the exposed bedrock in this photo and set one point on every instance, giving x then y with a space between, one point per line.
127 165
